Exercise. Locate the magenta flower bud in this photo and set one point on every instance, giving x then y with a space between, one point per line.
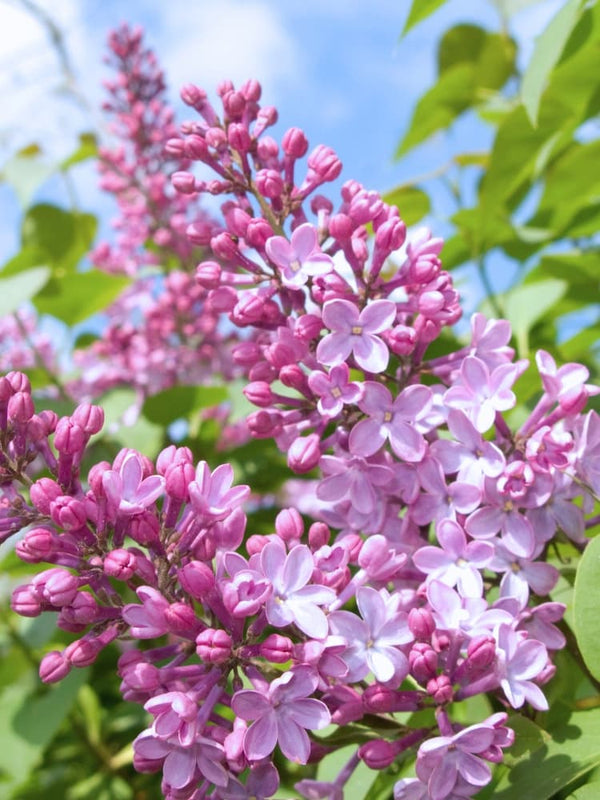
184 182
341 227
197 579
120 564
214 646
57 586
69 437
264 424
262 372
421 623
234 104
81 612
83 652
193 96
145 530
304 453
325 163
276 648
37 545
294 143
402 340
293 376
269 183
89 418
177 480
68 512
175 148
481 652
196 148
224 246
259 393
440 689
237 221
258 232
43 492
200 233
252 90
95 477
390 235
377 754
20 407
239 137
246 354
216 137
308 327
289 525
423 662
222 299
181 619
25 602
255 543
54 667
172 455
318 535
267 116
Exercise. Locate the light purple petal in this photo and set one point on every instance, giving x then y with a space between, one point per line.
340 315
261 737
371 353
334 349
366 437
378 316
294 742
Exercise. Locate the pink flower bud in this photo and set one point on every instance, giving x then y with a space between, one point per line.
25 602
196 148
68 512
318 535
214 646
294 143
83 652
276 648
308 327
325 163
181 619
197 579
293 376
177 480
37 545
264 424
193 95
82 611
57 586
377 754
200 233
120 564
481 651
89 418
175 148
402 340
304 453
19 382
43 492
222 299
423 662
440 689
255 543
184 182
224 246
145 530
20 407
246 353
258 232
239 137
54 667
95 477
252 90
269 183
69 437
259 393
421 623
289 525
341 227
234 104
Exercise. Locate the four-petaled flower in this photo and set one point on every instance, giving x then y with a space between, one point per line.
300 257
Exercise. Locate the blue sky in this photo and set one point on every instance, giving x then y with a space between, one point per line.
336 68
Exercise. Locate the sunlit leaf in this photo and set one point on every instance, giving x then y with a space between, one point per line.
18 289
525 305
412 203
78 296
586 602
420 10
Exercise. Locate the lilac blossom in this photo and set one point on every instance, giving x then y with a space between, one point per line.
148 620
519 661
211 494
373 641
456 562
467 454
480 394
281 715
127 488
391 419
292 601
299 258
522 574
355 332
334 390
354 478
440 501
182 764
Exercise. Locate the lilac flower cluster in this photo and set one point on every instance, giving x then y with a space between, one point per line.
421 579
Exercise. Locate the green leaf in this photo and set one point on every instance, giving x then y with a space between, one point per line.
29 722
591 791
180 401
26 171
420 10
525 305
60 238
546 55
412 203
541 766
76 297
491 54
18 289
585 607
88 148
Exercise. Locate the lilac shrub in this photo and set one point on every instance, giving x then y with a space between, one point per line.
418 577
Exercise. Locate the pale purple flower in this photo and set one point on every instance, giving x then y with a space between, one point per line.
456 562
588 451
128 490
183 764
391 419
148 620
480 394
261 782
247 591
500 514
353 478
373 641
469 615
355 332
282 714
300 257
292 601
538 622
489 340
467 454
439 501
521 574
211 494
567 384
334 390
520 660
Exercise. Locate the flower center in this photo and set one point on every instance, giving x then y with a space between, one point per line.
295 265
357 330
387 417
336 392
